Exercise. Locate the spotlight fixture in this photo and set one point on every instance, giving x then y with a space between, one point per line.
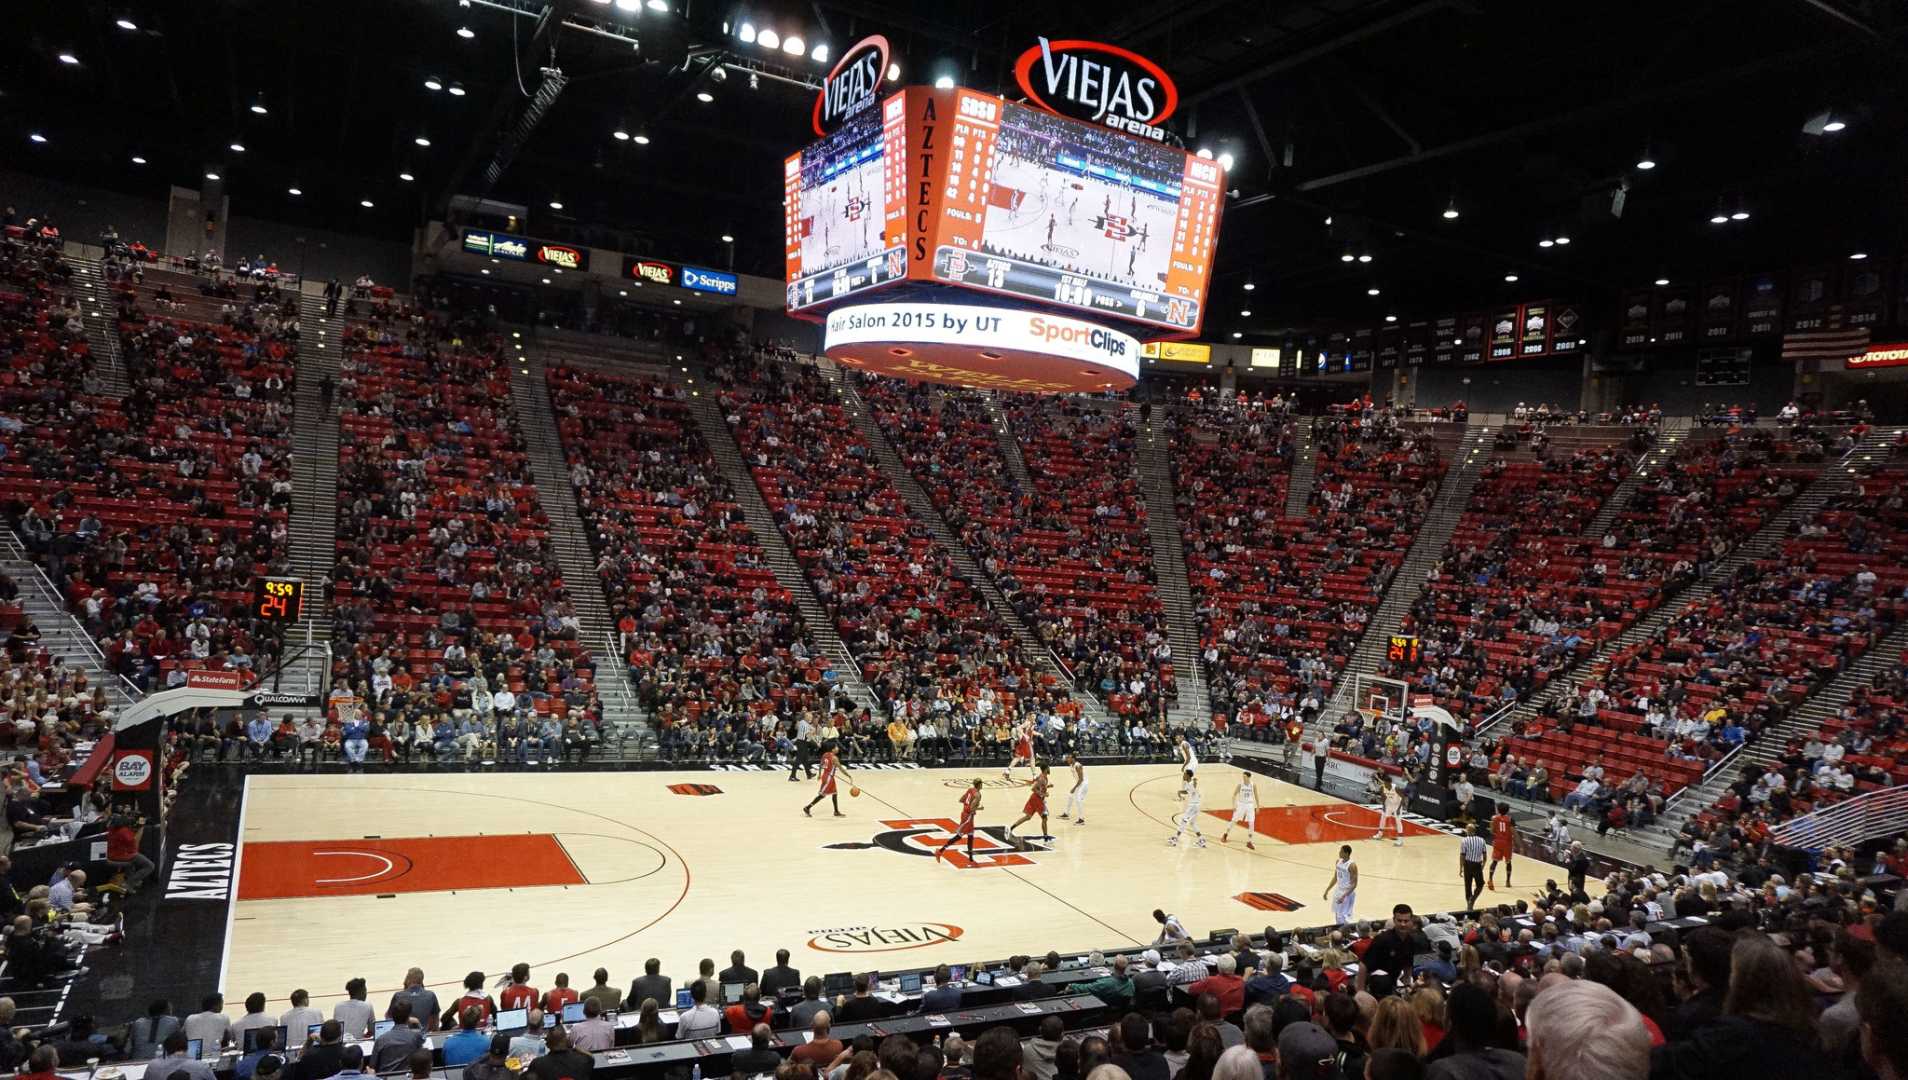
819 54
1391 318
36 137
1858 256
258 106
894 72
1373 291
211 175
1451 210
422 140
546 281
1249 286
1236 335
718 73
1660 282
1347 257
294 192
125 23
1646 162
237 147
1512 276
1246 313
619 134
1719 218
704 96
629 5
406 177
746 33
1739 215
455 89
484 270
68 58
138 160
659 5
466 33
366 203
1205 152
794 46
1834 126
946 82
1546 242
556 204
639 139
433 83
768 38
728 238
755 83
1226 161
1824 123
1364 257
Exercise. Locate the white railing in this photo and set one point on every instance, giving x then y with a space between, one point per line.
1709 774
51 594
1852 821
1495 717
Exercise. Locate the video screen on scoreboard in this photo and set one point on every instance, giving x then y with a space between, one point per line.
836 207
1091 218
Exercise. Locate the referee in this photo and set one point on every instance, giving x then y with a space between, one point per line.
1471 852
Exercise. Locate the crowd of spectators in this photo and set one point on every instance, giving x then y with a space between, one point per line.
716 649
452 623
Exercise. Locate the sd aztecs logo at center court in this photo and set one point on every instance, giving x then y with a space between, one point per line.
924 836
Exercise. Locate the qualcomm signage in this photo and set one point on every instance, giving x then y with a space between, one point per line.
1000 333
708 281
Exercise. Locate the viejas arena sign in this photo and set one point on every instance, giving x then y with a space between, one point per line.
852 85
884 938
1098 83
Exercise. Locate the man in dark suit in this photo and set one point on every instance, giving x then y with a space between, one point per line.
650 984
737 971
779 976
560 1062
945 997
1138 1056
863 1006
759 1057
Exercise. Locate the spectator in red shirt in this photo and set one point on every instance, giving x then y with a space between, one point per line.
122 850
1227 986
745 1014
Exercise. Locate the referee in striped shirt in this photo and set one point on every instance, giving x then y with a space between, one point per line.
1471 852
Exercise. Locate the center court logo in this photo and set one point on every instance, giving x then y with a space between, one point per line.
924 837
890 938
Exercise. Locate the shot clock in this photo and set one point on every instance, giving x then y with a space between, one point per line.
278 599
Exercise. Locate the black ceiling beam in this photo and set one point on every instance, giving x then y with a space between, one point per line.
510 124
1588 113
1257 71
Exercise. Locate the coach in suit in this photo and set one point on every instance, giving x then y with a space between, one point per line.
775 979
738 972
650 984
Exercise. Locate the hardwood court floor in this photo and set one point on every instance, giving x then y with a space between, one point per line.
365 875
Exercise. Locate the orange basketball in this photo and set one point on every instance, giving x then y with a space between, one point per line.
854 793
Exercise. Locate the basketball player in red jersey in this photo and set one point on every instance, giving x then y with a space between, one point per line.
1023 748
970 805
829 764
1503 835
1036 804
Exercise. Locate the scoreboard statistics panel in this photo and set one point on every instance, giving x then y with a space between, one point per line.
1075 214
841 209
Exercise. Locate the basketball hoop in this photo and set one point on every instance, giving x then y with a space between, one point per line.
347 708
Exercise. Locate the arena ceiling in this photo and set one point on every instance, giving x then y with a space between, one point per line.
1376 116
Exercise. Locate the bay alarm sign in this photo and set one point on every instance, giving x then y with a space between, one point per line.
853 84
1098 83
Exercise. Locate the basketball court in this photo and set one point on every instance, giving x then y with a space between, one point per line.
368 874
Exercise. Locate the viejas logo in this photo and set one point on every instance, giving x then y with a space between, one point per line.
562 255
1099 83
924 836
892 938
852 85
661 273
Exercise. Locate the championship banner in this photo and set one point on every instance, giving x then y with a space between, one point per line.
1361 349
1444 341
1567 332
1761 305
1719 311
1472 329
1534 339
1504 332
1670 315
1417 343
1390 345
1635 327
1810 293
1865 292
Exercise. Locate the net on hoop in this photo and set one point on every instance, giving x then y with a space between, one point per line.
347 708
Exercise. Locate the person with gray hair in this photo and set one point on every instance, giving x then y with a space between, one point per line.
1238 1063
1583 1031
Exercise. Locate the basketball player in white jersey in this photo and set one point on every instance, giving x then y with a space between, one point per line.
1189 821
1393 812
1188 765
1343 890
1245 810
1076 797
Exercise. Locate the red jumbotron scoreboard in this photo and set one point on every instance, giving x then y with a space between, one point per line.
954 236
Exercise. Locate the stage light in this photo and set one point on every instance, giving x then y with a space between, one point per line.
366 203
1740 215
1246 314
944 82
237 148
659 5
704 96
432 82
68 58
1236 335
894 72
1373 291
1646 162
137 160
456 89
629 5
794 46
819 54
768 38
422 140
1510 277
1834 126
1662 281
1562 239
1719 218
1546 242
728 238
406 177
1364 258
37 137
466 33
546 281
639 139
1451 211
1347 257
258 106
1249 286
211 175
1226 161
556 204
125 23
1391 318
620 135
746 32
1205 152
1858 256
294 192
